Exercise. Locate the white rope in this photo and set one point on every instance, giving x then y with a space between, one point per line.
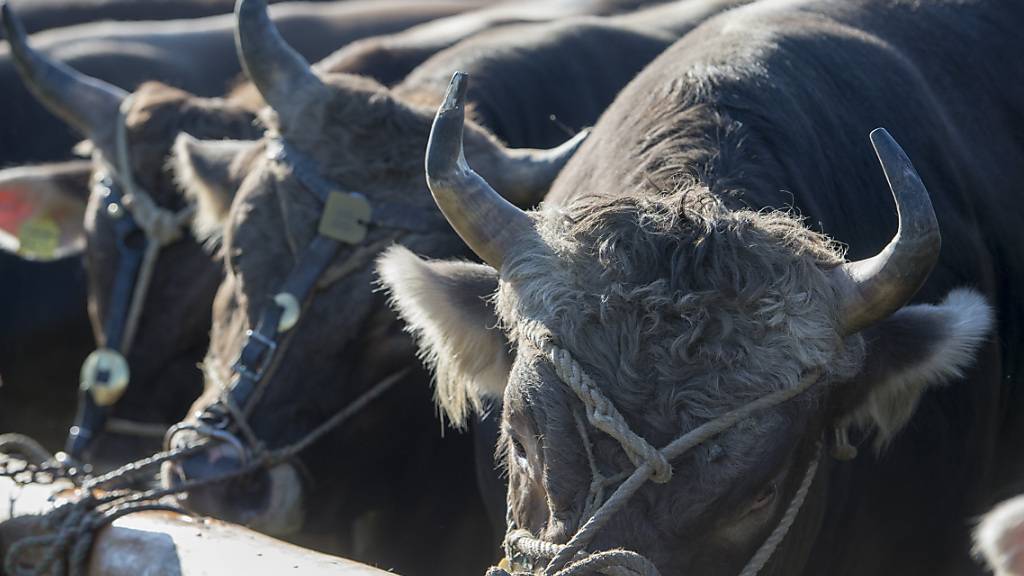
764 553
571 559
601 413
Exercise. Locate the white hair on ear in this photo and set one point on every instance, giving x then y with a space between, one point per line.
965 320
441 303
207 182
999 538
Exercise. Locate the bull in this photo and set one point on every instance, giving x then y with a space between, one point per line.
703 379
389 58
175 312
300 336
194 55
169 306
45 14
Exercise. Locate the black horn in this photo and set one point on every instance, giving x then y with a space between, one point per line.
281 74
88 104
488 223
880 285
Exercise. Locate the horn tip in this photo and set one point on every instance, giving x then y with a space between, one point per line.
16 35
886 146
456 94
7 17
880 133
250 8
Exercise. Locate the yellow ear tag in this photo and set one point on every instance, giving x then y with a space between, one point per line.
505 565
38 237
345 217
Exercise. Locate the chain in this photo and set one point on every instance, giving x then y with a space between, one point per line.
24 473
25 461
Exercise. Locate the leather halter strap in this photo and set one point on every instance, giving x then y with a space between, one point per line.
141 230
404 217
261 343
91 417
254 365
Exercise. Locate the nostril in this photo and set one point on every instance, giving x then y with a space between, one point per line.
208 464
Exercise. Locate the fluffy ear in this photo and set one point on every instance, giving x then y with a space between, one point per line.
917 347
209 173
447 308
999 538
42 209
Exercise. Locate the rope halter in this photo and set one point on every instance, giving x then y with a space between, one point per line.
572 559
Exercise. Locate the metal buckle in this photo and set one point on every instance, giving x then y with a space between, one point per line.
262 356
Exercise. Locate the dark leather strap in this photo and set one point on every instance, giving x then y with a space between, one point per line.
261 344
91 418
385 215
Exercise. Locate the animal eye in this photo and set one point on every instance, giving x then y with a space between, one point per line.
519 452
764 498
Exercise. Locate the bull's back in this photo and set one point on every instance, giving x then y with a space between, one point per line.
799 85
534 85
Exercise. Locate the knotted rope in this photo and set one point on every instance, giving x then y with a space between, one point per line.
64 550
571 559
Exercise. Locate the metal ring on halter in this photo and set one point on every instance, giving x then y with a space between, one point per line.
104 376
207 432
290 308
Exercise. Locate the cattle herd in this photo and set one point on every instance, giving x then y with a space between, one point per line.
559 287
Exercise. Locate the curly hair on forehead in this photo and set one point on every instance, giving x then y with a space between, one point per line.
675 301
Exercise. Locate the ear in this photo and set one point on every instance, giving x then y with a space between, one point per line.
42 209
917 347
999 538
446 305
209 173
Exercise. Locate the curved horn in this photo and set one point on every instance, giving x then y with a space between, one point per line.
88 104
488 223
524 175
279 72
885 282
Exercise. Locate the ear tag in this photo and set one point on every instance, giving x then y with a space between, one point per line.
104 376
38 237
345 217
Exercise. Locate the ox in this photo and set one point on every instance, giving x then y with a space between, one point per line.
322 340
44 14
176 310
172 321
194 55
389 58
689 336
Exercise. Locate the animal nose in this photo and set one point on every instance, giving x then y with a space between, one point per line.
228 495
218 461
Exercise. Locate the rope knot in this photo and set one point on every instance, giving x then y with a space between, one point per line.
603 414
159 224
